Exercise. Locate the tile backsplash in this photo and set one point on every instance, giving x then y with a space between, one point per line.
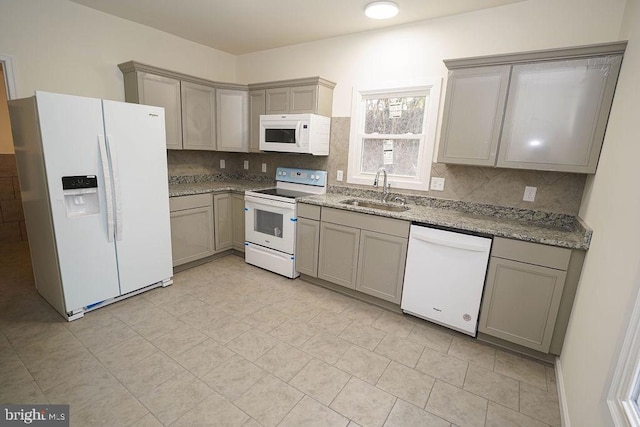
558 192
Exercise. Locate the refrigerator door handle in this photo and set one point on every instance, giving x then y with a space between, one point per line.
104 160
116 186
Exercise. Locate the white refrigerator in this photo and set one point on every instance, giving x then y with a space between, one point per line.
93 177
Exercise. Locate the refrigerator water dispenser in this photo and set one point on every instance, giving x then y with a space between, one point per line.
81 195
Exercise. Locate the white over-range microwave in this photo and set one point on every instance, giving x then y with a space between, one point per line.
295 133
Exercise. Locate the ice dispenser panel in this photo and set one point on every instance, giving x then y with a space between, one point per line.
80 195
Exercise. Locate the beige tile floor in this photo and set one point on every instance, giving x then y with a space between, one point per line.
229 344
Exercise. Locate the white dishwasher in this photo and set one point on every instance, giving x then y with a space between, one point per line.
444 277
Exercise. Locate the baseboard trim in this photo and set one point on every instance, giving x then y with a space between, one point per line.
562 397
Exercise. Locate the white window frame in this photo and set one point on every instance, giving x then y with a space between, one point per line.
625 385
429 88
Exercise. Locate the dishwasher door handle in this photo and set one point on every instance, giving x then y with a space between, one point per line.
457 245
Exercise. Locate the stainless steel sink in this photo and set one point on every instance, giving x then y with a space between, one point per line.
375 205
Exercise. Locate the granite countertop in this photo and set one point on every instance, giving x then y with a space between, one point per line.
569 232
224 186
532 226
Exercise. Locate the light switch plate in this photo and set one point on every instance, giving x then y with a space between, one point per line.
340 175
529 194
246 164
264 167
222 165
437 184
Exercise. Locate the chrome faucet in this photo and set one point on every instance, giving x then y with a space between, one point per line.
385 185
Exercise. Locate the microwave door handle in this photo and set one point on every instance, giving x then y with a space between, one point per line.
298 126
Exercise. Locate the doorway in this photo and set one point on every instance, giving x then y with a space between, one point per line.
12 227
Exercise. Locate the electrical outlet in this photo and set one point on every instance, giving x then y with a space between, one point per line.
529 194
264 167
340 176
246 164
437 184
222 165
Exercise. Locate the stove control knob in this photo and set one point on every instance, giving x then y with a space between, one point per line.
317 177
313 177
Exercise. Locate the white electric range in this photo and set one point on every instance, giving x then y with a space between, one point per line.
270 225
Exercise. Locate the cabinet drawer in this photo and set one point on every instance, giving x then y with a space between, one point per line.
189 202
394 227
531 253
308 211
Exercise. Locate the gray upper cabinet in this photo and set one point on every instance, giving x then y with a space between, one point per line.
256 109
303 99
198 117
542 110
297 96
277 101
159 91
473 112
232 120
193 107
557 114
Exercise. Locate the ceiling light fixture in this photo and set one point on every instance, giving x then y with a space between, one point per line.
381 10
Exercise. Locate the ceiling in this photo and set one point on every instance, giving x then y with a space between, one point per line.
245 26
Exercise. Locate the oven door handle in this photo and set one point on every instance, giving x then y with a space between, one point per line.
265 202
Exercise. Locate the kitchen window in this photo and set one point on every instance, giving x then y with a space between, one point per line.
624 394
394 126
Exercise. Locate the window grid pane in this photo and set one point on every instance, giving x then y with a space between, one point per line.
394 115
405 156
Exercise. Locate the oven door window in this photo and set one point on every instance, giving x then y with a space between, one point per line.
268 222
280 136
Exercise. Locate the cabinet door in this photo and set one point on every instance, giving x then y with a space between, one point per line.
163 92
256 108
338 254
520 303
557 113
381 263
303 99
238 221
198 117
307 243
192 234
223 214
232 120
473 110
277 101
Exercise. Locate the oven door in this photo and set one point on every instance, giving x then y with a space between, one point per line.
270 223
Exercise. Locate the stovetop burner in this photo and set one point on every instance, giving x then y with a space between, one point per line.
289 194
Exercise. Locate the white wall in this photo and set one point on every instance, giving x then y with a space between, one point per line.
416 50
611 274
60 46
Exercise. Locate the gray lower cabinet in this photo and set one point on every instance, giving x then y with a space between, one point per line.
223 214
525 284
338 254
192 230
381 262
366 253
238 217
307 242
